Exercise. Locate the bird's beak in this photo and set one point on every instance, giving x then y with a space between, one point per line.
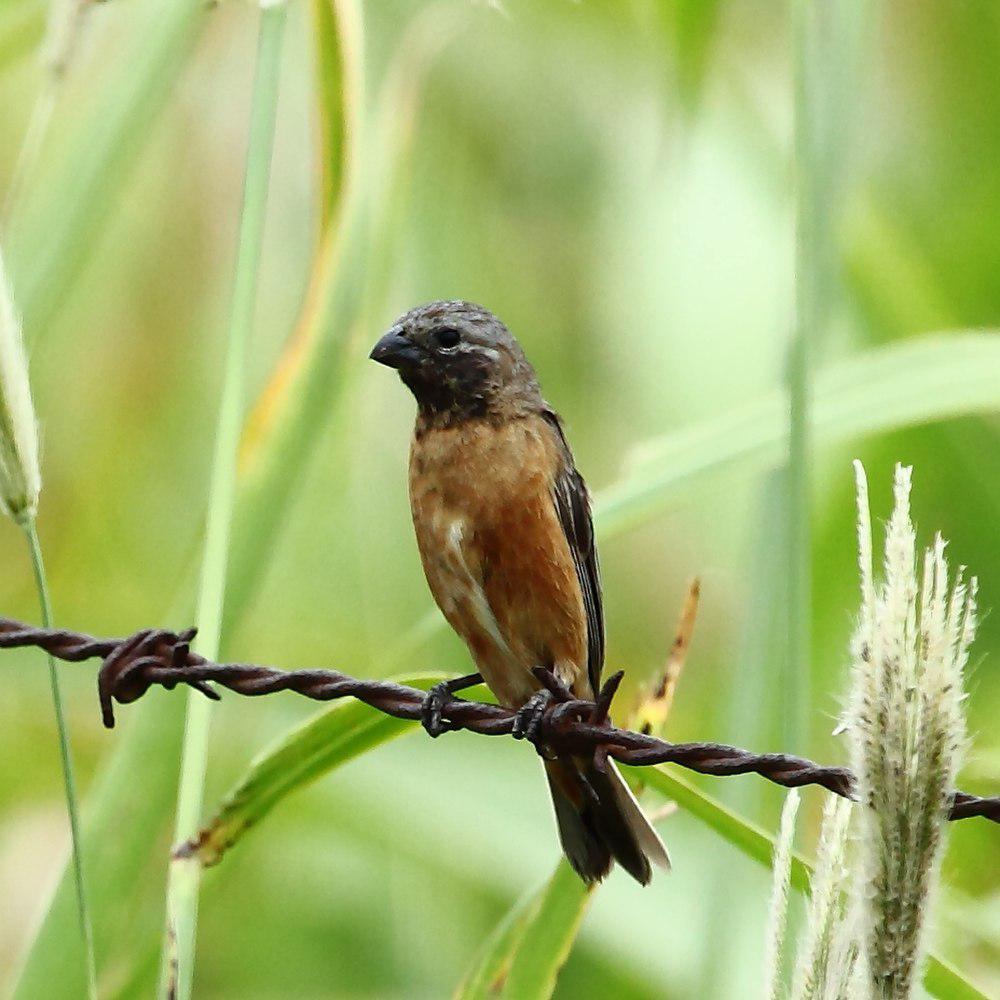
396 350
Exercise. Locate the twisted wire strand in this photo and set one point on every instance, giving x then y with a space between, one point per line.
160 657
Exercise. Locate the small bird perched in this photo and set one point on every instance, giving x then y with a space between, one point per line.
504 529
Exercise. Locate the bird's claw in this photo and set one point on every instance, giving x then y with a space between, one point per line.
528 718
432 708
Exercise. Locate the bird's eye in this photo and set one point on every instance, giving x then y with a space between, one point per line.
447 338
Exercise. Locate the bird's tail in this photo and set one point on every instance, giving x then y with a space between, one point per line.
600 821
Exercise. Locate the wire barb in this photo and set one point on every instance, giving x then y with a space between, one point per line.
160 657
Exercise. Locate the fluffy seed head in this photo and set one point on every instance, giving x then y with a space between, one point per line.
824 969
778 910
907 734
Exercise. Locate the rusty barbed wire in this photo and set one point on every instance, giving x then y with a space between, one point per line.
164 658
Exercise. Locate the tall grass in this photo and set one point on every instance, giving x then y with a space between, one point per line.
916 381
866 933
824 962
778 910
65 208
353 277
66 757
898 376
827 42
906 723
184 875
150 739
812 258
64 25
20 489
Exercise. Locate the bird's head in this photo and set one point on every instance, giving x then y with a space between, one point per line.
459 361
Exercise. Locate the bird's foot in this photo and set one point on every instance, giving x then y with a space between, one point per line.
528 718
431 711
554 696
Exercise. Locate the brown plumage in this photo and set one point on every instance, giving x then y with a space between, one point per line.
502 520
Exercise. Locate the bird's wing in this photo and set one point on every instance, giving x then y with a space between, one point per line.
573 506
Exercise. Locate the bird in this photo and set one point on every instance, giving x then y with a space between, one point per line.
504 529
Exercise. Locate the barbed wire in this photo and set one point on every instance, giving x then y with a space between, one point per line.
131 666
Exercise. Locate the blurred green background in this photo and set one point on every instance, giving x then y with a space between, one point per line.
615 180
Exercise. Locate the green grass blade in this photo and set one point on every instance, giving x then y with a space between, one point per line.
943 980
67 204
283 438
288 417
549 936
69 781
320 745
750 838
63 212
916 381
491 965
118 867
183 878
826 38
336 31
328 351
149 742
811 308
940 978
338 735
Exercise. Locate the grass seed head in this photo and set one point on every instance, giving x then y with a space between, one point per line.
907 735
778 909
20 479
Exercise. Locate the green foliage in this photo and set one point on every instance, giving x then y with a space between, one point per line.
940 978
22 28
519 942
613 180
913 382
751 839
548 937
64 211
309 752
69 775
523 956
491 966
183 879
